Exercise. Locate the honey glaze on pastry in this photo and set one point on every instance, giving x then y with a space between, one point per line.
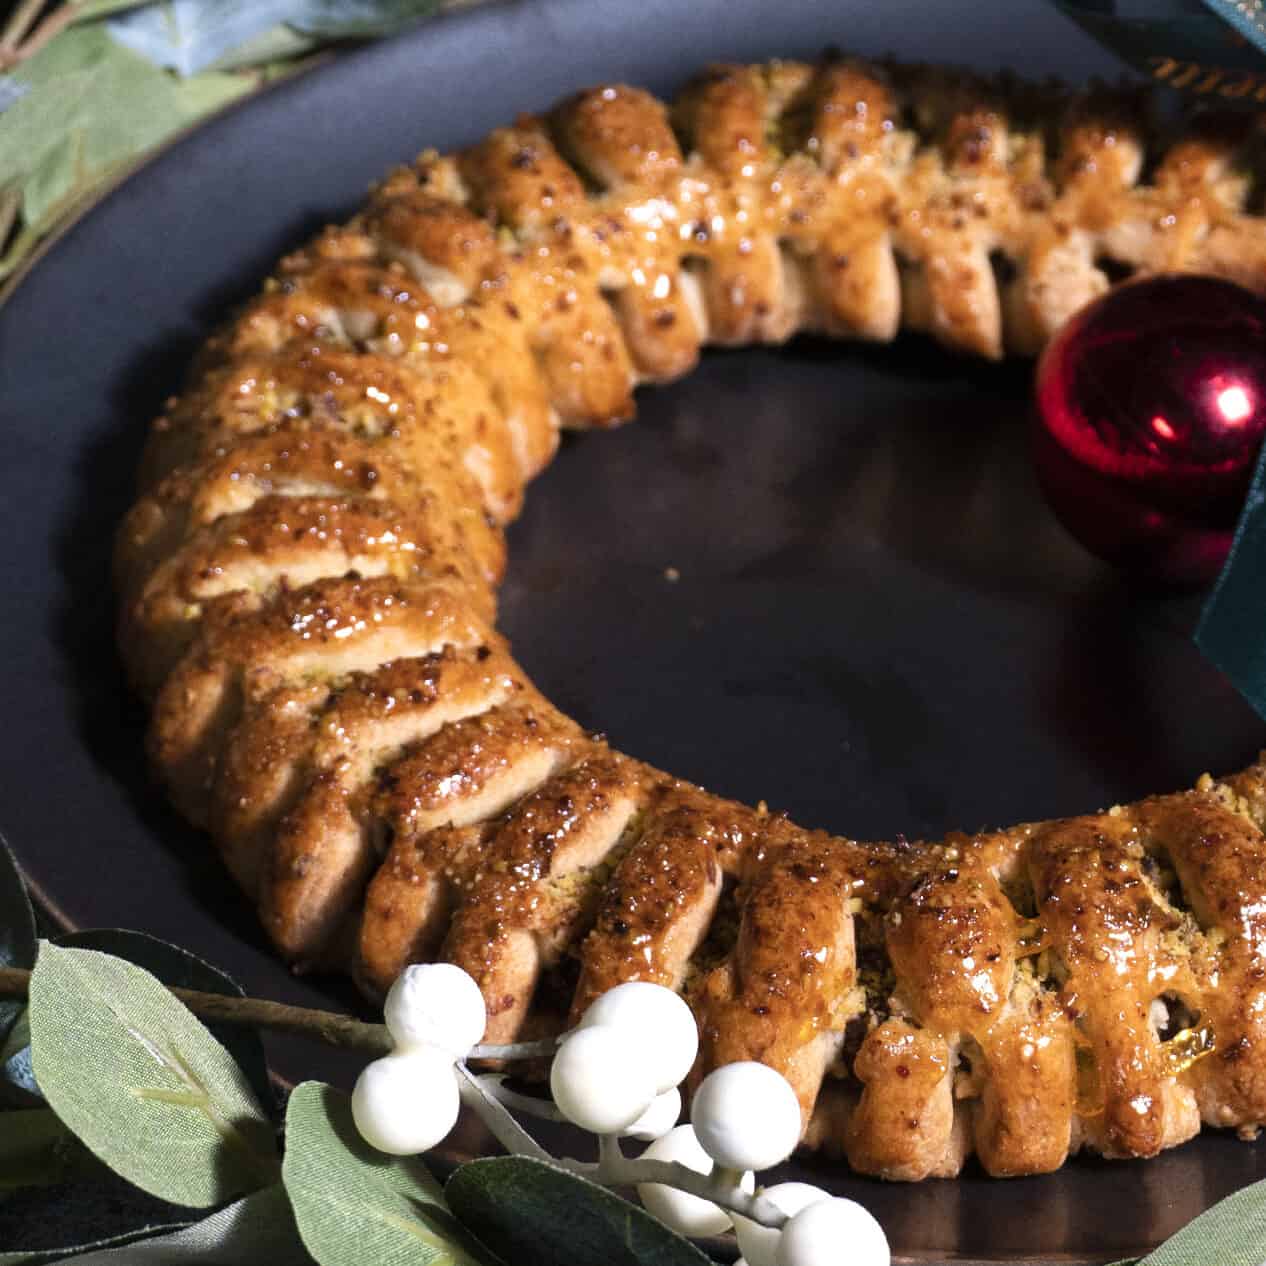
309 584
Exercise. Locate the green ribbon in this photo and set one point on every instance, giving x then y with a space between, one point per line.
1212 49
1232 628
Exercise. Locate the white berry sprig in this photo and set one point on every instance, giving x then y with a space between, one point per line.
616 1075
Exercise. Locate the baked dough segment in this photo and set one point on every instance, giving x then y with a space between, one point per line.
658 905
852 134
455 254
621 139
326 845
281 541
410 900
466 776
1025 1119
439 415
378 305
961 204
519 177
322 632
905 1126
472 770
296 748
531 894
280 462
750 289
440 243
951 941
1219 857
348 302
1208 177
786 992
1108 935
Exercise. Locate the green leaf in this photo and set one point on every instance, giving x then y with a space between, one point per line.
535 1214
203 94
17 932
91 106
355 1205
187 36
176 968
140 1080
257 1228
61 175
179 969
278 43
1232 1233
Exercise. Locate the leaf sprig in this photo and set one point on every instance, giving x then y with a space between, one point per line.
88 88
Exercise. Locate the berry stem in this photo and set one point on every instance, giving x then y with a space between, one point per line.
330 1027
546 1109
614 1169
610 1158
322 1026
544 1048
503 1127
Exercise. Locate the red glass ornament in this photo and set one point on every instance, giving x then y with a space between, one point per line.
1151 411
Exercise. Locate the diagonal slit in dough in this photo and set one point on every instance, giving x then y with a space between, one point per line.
466 775
324 631
290 737
532 894
323 850
280 542
660 900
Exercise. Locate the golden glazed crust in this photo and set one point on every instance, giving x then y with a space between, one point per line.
308 586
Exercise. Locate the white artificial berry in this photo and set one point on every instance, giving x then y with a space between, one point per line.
759 1244
659 1118
657 1018
683 1213
406 1102
600 1081
746 1116
435 1004
818 1234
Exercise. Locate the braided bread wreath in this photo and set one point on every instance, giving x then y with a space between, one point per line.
309 587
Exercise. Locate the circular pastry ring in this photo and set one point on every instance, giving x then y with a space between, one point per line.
309 586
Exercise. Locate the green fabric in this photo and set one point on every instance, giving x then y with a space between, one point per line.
1232 630
1232 1233
258 1229
1173 39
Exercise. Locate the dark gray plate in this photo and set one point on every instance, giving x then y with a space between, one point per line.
877 625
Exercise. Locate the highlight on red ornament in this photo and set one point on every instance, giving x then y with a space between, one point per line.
1151 409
